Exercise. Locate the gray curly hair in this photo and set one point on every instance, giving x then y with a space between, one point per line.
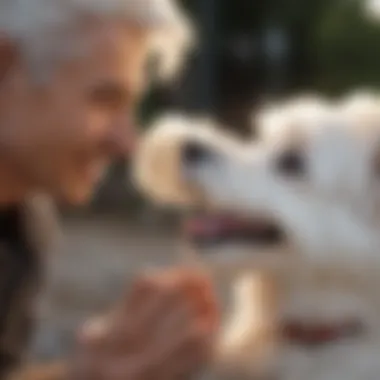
43 29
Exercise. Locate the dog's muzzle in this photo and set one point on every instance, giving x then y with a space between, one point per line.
195 154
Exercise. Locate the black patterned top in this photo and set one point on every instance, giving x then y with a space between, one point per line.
20 278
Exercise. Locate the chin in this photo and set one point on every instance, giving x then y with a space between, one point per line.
76 196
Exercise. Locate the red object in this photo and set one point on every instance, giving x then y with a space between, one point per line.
318 334
218 225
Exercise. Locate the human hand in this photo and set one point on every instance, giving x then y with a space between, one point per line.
163 329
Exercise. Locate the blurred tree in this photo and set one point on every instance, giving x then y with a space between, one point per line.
346 48
250 68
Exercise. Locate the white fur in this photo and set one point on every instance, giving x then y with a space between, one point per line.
329 268
44 29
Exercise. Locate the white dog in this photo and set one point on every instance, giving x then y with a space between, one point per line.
300 231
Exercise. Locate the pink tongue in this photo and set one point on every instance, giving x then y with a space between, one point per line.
204 226
215 225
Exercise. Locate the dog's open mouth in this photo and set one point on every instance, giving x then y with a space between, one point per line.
316 335
213 230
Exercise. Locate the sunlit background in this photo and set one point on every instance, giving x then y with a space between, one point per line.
249 51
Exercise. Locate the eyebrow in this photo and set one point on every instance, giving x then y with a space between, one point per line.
111 90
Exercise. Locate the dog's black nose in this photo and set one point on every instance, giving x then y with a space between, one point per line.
194 153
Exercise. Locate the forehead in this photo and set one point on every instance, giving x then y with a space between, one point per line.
315 123
110 51
116 39
290 120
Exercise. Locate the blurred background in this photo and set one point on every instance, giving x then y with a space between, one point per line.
250 51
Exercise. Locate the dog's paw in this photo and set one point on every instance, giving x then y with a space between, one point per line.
157 169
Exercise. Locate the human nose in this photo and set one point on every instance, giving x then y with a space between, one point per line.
121 138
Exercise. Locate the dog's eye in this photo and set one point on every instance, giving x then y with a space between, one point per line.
291 163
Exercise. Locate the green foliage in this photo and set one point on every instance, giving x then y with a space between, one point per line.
151 104
335 38
347 48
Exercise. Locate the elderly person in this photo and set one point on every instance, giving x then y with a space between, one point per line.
71 75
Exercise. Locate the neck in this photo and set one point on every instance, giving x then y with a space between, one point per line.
12 190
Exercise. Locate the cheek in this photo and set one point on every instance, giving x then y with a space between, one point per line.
95 126
69 120
78 129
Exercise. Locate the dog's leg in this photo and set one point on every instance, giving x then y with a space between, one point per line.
248 342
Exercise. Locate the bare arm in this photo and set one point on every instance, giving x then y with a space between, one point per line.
53 371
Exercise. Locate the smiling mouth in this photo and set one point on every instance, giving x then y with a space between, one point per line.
208 231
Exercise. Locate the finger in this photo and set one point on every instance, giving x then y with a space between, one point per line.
93 333
187 365
155 317
126 368
195 340
165 300
184 357
145 288
195 288
139 292
184 368
149 283
160 359
155 293
88 360
204 300
87 366
172 306
174 323
147 367
167 295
